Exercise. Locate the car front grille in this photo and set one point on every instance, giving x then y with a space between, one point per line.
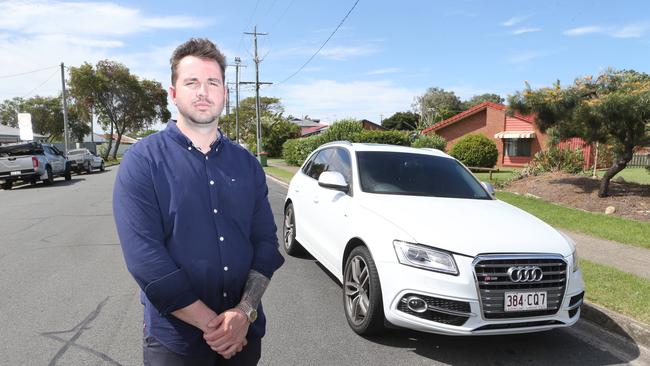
491 275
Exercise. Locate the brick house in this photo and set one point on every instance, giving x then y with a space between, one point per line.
517 138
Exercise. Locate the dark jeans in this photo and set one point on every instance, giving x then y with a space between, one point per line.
155 354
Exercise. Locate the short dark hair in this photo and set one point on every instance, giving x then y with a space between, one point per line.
197 47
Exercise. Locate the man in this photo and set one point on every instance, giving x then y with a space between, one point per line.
196 227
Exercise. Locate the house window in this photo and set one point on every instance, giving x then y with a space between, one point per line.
517 147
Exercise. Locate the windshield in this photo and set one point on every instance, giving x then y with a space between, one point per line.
416 175
19 150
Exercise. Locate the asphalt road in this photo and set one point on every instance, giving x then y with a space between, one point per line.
67 299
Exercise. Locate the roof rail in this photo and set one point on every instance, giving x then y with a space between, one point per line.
345 142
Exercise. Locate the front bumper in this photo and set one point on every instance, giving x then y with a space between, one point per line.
454 307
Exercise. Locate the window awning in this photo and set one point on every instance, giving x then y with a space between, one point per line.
515 135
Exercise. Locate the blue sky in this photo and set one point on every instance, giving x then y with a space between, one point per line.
384 55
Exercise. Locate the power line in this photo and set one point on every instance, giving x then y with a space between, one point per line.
43 83
323 45
27 72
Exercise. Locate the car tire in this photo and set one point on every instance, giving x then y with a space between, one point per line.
7 185
67 175
290 244
89 168
362 300
102 168
50 178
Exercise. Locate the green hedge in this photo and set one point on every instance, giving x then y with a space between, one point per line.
476 151
295 151
555 159
432 141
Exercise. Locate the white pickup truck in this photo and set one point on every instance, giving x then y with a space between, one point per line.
32 162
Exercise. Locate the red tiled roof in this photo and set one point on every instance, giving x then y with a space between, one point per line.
125 139
309 130
461 115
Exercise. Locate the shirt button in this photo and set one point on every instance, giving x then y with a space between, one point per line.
189 147
215 210
206 158
225 268
211 182
225 294
221 238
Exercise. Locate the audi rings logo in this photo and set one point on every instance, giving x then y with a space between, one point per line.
525 274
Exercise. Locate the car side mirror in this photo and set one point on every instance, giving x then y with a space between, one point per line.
333 180
489 187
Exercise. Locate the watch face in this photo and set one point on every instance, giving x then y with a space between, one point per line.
252 315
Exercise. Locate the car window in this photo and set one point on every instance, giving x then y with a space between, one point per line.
319 163
306 167
340 162
416 175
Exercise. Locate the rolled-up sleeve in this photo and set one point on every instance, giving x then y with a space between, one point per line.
267 258
140 229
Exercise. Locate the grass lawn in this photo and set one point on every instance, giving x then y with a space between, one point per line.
281 174
616 290
501 176
614 228
633 175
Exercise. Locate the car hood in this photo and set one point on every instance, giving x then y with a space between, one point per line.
468 226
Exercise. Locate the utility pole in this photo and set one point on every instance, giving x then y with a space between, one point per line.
237 66
257 91
228 100
65 110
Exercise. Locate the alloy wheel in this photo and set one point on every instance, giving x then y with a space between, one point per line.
357 290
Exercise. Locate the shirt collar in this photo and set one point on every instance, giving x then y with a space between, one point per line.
178 136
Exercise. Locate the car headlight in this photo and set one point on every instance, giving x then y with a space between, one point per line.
574 260
420 256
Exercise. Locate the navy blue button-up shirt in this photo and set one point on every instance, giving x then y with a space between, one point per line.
191 227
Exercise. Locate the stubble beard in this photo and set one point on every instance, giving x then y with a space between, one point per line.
200 121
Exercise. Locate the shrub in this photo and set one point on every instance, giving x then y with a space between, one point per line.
555 159
381 137
295 151
343 130
476 151
275 131
433 141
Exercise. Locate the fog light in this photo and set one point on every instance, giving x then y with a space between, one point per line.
416 304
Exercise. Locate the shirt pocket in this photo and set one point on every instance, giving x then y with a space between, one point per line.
239 200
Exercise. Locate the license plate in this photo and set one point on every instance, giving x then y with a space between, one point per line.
524 301
15 173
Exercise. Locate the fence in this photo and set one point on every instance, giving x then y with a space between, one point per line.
640 160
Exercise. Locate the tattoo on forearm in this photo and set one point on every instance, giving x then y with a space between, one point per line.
255 286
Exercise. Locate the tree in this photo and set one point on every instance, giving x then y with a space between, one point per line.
269 106
275 131
47 116
478 99
405 121
123 102
436 105
615 106
9 110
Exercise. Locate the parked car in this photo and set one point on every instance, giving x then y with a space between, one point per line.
83 160
31 162
418 242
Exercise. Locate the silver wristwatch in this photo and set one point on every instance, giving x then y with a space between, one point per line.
251 314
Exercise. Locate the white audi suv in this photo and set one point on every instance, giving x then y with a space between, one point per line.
418 242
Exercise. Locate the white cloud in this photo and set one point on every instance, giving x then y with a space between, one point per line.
523 57
580 31
91 18
632 30
338 53
388 70
514 21
525 30
330 100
